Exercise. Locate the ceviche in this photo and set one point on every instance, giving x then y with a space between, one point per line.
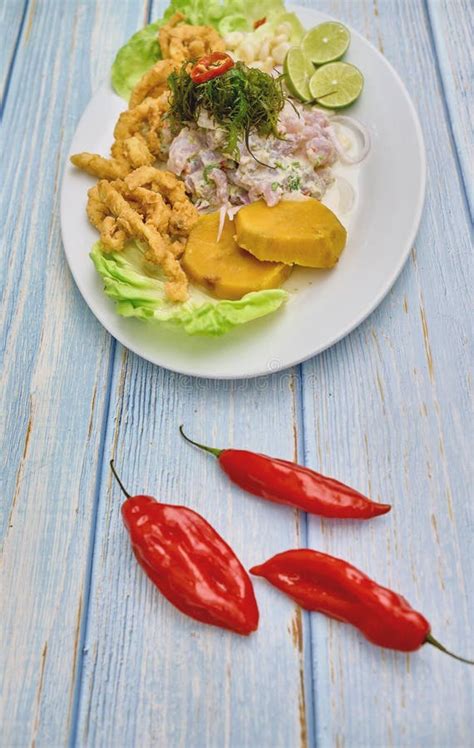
213 189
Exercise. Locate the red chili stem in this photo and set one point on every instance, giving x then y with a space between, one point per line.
112 467
211 450
431 640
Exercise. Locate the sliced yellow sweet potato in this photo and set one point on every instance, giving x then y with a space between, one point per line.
222 268
302 232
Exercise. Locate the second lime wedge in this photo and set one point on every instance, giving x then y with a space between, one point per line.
326 42
298 71
336 85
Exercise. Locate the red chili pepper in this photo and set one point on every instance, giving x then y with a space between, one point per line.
260 22
288 483
329 585
211 66
192 566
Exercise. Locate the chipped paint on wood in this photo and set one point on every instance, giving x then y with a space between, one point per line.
39 691
296 629
29 25
91 417
302 712
429 355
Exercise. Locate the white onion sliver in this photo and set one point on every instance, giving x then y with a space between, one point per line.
352 124
346 195
231 211
222 215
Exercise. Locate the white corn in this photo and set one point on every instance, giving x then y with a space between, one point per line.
246 51
233 39
268 65
264 50
284 29
279 52
279 40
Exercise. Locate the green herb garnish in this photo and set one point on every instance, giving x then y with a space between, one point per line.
207 171
240 101
294 183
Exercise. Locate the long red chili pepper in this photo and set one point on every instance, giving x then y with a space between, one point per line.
329 585
192 566
286 482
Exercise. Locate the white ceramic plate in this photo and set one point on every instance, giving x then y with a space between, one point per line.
324 305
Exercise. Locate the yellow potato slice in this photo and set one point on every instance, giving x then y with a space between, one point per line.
222 268
299 232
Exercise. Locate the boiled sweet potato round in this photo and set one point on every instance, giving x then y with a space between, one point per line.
221 267
296 232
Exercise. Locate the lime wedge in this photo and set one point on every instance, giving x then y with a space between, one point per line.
336 85
326 42
298 71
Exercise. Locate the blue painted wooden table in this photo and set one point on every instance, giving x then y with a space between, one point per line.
92 655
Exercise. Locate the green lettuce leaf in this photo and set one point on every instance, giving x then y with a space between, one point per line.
138 290
142 50
137 56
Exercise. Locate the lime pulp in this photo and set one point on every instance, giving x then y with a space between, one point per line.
326 42
298 71
336 85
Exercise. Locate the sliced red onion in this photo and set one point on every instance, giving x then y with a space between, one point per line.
352 124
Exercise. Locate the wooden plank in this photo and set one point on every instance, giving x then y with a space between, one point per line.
55 376
452 26
154 677
167 679
387 410
12 17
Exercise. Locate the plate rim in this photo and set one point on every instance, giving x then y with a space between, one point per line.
364 314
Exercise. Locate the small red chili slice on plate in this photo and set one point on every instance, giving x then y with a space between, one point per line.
211 66
260 22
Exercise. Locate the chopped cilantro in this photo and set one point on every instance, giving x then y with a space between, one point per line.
294 183
207 170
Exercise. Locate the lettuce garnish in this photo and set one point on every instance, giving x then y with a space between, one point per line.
139 291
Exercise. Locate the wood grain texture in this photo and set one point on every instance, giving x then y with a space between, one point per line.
193 685
55 379
387 411
12 18
214 677
94 656
452 26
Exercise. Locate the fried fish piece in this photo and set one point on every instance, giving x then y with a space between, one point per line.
96 209
153 83
160 251
137 141
98 166
111 235
127 154
133 150
144 119
180 41
183 214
